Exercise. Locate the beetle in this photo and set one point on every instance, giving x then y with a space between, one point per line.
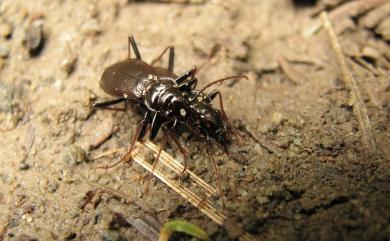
167 100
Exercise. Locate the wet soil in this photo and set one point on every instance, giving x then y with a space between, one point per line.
303 170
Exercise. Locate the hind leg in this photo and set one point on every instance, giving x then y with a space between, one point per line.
171 58
106 104
183 152
211 96
139 132
218 174
131 42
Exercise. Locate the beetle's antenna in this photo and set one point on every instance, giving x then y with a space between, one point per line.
216 82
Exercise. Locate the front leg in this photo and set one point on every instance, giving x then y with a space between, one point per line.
189 73
188 85
157 122
171 58
211 96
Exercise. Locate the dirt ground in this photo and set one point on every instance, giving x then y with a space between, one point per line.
307 170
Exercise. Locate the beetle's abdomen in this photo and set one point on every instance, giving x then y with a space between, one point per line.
128 79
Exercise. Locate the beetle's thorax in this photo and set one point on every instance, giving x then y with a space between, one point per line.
164 97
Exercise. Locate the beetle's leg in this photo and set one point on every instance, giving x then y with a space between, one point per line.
171 61
157 122
184 76
145 127
211 96
188 85
127 156
183 152
162 146
171 58
214 50
135 48
217 173
105 104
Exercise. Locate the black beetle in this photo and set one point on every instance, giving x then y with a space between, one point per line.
166 99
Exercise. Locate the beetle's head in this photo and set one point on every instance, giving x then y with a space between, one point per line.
209 122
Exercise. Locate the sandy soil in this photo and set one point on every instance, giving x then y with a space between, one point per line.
306 172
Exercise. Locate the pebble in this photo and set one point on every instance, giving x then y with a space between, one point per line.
34 39
371 53
233 228
23 165
384 29
7 93
91 28
52 187
68 64
5 30
262 199
74 155
4 50
25 237
113 236
70 236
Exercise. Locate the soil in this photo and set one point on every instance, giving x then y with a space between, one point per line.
304 171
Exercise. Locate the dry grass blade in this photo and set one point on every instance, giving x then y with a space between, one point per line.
204 205
343 14
359 107
178 168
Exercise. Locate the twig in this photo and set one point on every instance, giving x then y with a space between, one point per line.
291 73
359 107
115 193
106 153
178 168
343 14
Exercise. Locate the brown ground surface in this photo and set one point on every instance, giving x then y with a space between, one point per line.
305 174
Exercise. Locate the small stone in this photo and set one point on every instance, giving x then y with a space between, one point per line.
239 174
118 221
25 237
252 223
4 50
74 155
23 165
34 39
70 236
384 29
7 93
91 27
212 228
233 228
184 177
113 236
262 199
52 187
68 64
372 53
13 222
5 30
